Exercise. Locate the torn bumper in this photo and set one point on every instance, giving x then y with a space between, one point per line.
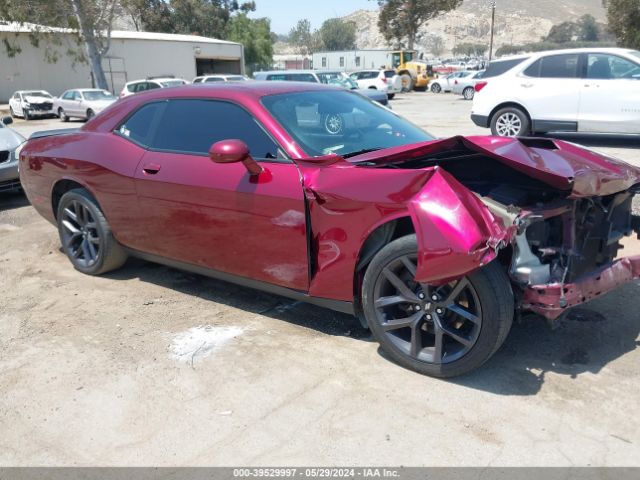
553 300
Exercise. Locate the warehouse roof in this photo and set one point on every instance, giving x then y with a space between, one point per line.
115 34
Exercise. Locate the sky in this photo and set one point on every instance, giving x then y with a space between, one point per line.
284 14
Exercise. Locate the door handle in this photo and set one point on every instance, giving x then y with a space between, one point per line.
151 168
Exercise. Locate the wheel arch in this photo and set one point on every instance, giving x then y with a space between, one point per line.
379 236
63 186
512 104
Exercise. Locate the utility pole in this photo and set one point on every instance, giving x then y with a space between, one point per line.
493 21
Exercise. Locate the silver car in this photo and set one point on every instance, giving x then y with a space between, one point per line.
10 144
82 103
465 86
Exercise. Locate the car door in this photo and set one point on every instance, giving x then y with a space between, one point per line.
550 90
610 95
16 104
216 215
74 103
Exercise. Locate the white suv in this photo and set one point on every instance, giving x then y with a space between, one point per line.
386 80
583 90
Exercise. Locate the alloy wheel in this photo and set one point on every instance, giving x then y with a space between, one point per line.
432 324
509 125
80 234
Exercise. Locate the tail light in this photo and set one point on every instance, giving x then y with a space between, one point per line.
122 94
479 86
384 79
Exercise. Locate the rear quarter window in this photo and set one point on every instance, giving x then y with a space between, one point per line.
138 127
497 68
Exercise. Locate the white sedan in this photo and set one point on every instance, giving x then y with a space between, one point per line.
31 103
82 103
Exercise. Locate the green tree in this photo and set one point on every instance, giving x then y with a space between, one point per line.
149 15
624 21
470 49
255 35
401 19
91 19
336 34
301 36
589 30
563 32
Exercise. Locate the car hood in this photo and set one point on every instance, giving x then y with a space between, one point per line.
562 165
31 99
9 139
372 93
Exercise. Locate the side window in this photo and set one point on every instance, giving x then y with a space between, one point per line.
197 80
77 96
132 87
278 77
607 67
560 66
17 96
152 85
533 70
138 126
192 126
140 87
214 79
301 77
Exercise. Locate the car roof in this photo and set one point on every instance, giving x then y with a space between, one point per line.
313 72
612 50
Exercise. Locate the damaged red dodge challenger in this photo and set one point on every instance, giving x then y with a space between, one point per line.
318 194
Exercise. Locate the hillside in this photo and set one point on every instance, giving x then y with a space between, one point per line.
517 22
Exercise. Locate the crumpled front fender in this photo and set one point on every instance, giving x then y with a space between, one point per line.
456 231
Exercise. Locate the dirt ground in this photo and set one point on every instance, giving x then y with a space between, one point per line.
153 366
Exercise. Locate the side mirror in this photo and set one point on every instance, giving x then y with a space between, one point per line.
7 120
233 151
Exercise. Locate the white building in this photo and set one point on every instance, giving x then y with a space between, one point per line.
132 55
349 60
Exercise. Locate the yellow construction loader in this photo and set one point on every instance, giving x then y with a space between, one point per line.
415 74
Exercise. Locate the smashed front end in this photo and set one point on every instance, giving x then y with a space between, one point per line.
555 215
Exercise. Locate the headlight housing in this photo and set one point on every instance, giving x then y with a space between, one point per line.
26 105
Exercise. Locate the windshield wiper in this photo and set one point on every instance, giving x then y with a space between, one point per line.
360 152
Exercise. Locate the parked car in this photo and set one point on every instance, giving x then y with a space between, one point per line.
465 85
150 83
328 77
220 78
82 103
445 82
10 144
385 80
29 104
592 90
318 194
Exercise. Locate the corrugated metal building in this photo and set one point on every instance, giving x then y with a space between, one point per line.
132 55
349 60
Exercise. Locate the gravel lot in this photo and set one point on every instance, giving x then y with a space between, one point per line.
153 366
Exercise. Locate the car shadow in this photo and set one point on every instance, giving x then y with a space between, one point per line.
593 140
584 341
12 200
254 301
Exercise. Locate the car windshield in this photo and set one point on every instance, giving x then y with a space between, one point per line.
172 83
37 93
341 122
93 95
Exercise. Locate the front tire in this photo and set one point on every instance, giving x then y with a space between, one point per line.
26 115
86 236
391 95
510 122
90 114
441 331
436 88
11 112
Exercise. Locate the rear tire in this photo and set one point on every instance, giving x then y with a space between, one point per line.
62 115
468 93
86 236
510 122
471 317
391 95
90 114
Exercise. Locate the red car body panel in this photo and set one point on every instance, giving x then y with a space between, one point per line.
316 212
